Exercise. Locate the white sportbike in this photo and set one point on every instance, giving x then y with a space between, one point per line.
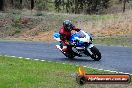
81 45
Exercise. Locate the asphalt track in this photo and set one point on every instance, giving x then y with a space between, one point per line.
113 58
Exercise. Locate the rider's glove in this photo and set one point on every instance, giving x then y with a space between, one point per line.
69 43
72 44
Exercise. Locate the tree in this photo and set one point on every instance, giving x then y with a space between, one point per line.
57 4
124 4
1 5
12 3
79 6
20 4
32 4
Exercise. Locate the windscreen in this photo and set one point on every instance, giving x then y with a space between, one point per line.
81 34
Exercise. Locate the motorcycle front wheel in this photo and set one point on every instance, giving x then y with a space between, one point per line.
96 54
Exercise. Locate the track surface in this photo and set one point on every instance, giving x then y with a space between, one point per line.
113 58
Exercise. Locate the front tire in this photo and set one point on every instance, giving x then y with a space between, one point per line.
96 54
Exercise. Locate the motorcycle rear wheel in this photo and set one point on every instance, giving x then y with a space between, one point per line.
70 55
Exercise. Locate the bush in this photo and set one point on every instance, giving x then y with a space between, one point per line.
39 13
17 31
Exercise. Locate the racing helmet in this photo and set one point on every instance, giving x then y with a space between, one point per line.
67 25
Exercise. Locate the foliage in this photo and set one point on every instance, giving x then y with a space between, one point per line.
68 6
79 6
41 4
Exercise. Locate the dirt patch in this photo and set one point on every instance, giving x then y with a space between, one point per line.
45 36
118 29
42 36
123 28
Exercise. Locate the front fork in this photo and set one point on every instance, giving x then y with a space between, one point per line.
88 49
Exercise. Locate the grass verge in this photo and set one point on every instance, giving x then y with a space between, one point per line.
22 73
116 41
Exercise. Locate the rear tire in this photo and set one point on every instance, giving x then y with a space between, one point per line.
71 56
96 54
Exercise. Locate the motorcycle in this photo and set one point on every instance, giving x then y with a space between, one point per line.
82 46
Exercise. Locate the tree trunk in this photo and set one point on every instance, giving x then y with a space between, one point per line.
124 4
20 4
12 2
32 4
1 5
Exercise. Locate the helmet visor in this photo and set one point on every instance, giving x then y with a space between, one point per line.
68 27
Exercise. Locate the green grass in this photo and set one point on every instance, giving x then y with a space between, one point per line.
21 73
75 17
117 41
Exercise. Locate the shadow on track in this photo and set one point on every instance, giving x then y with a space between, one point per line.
77 60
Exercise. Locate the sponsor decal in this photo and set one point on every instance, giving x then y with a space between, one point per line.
83 78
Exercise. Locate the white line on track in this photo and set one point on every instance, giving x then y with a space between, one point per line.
85 66
49 61
77 65
36 59
28 58
20 57
13 56
42 60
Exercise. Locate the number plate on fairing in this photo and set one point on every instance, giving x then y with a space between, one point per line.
80 47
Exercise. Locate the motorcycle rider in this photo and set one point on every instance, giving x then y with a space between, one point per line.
65 33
